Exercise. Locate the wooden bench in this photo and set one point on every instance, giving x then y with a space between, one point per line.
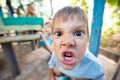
21 24
17 24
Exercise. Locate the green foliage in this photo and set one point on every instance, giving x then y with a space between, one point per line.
115 4
83 4
74 2
107 39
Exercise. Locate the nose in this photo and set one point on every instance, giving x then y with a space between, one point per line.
68 42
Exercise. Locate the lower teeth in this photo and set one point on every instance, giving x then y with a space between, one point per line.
67 58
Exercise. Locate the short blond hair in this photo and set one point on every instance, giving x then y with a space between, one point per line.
70 12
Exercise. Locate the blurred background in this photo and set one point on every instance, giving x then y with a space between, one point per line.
110 35
47 8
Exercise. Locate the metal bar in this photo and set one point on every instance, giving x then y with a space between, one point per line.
117 72
96 26
11 58
33 41
33 44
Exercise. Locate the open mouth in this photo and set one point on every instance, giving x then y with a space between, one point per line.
68 57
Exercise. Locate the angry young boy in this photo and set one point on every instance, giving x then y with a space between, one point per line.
71 56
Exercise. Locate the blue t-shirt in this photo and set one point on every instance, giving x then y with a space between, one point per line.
89 68
42 43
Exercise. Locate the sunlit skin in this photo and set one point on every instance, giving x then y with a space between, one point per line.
70 36
47 29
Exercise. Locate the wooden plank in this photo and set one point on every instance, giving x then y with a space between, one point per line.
110 54
6 39
20 27
23 21
4 32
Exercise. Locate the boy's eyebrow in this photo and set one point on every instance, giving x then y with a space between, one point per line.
80 25
58 28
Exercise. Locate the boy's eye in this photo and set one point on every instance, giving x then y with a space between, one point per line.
58 33
78 33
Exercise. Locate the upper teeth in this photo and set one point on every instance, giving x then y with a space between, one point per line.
68 55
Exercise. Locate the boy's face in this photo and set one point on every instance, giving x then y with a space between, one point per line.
70 40
47 29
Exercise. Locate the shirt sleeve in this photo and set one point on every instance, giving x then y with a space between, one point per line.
51 62
100 78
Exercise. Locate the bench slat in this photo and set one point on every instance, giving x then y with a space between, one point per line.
6 39
20 27
23 20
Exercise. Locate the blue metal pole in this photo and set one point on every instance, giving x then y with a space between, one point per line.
96 26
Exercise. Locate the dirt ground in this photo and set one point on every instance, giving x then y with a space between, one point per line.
21 51
40 72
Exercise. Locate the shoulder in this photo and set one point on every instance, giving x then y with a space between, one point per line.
53 58
89 57
53 61
93 64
